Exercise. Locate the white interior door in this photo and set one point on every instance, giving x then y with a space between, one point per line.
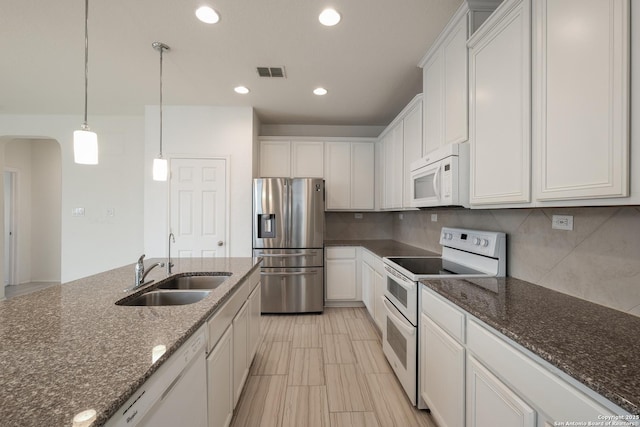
198 207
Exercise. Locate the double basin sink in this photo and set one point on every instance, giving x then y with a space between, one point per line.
179 290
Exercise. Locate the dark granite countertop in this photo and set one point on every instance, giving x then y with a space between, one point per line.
69 348
383 248
596 345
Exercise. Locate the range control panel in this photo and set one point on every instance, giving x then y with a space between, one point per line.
487 243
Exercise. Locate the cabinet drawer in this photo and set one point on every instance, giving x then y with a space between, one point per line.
555 397
341 252
444 314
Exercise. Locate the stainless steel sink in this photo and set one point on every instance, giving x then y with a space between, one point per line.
195 282
165 297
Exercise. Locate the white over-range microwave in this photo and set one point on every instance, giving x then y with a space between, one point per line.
441 178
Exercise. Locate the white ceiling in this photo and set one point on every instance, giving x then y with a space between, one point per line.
368 62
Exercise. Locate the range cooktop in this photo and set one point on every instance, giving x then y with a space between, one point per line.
432 266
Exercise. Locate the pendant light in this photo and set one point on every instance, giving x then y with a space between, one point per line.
160 168
85 142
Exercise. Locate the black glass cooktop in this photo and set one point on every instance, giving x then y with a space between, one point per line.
433 267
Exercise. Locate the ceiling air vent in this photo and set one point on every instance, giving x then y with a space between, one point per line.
271 71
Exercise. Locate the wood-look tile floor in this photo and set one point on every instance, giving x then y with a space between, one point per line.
324 370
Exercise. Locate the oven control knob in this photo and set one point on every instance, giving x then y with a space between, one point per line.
485 242
448 236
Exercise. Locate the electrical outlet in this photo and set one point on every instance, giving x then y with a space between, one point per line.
111 212
357 216
401 216
434 217
562 222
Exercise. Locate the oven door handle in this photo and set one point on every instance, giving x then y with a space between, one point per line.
407 327
436 185
400 280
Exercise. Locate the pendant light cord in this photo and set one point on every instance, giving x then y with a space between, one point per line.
161 51
86 62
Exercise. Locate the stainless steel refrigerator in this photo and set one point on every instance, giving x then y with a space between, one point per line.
288 232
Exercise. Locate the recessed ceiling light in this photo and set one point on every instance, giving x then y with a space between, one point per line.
329 17
207 15
320 91
243 90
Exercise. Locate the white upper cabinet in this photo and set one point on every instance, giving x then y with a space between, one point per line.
275 159
500 107
293 159
445 77
581 98
349 175
307 159
412 135
401 144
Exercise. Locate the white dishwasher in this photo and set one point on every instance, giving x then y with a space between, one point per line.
174 395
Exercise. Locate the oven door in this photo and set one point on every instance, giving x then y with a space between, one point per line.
399 344
403 293
425 186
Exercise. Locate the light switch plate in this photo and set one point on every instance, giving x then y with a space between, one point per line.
562 222
357 216
77 212
434 217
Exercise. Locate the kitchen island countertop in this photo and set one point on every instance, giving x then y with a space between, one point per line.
69 348
596 345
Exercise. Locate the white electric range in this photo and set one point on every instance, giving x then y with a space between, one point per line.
465 254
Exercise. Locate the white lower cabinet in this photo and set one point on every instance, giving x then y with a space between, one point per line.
240 351
491 403
367 288
234 334
341 274
220 378
441 374
255 321
471 374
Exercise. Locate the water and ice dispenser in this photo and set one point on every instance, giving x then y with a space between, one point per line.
266 226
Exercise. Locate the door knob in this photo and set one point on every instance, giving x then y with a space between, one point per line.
220 243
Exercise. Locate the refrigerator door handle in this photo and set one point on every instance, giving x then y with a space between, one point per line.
292 273
313 253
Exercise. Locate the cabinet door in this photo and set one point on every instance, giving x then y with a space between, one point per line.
220 381
379 284
500 106
393 174
367 288
491 403
581 90
362 179
240 351
441 374
275 159
412 131
456 83
338 175
341 279
255 322
433 82
307 159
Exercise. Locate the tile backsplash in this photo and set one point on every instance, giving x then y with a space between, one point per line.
599 260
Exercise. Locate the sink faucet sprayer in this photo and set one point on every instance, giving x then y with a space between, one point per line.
172 238
141 273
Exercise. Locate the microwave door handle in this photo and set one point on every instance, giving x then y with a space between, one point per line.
436 184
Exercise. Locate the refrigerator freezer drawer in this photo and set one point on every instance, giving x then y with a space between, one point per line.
292 290
282 258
